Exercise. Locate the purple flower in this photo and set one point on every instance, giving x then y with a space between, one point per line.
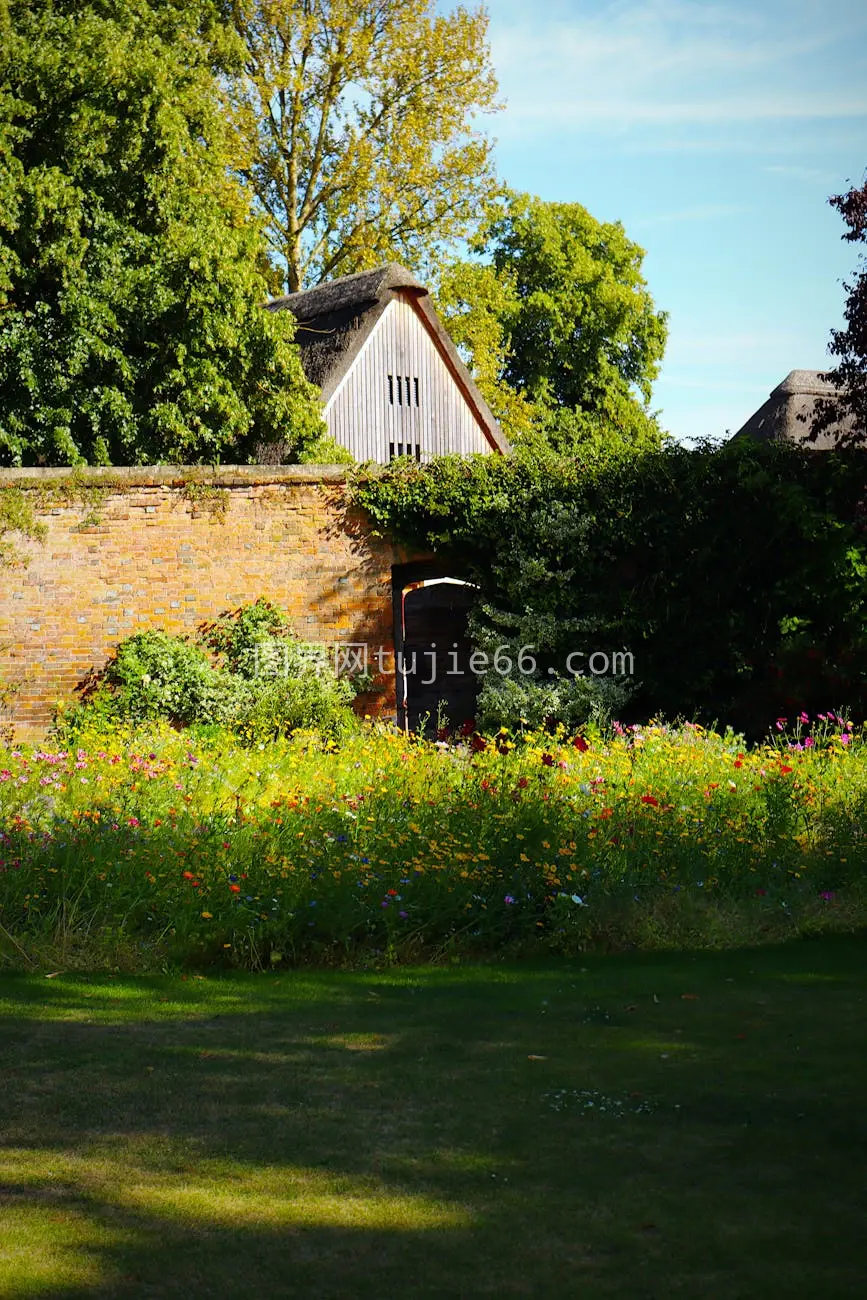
508 899
828 895
403 915
845 738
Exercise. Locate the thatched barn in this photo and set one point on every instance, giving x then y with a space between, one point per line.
392 381
791 411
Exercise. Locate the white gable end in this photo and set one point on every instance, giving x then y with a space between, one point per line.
400 398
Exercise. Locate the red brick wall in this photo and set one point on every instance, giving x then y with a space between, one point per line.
131 549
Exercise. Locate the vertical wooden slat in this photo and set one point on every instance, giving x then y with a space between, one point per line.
360 416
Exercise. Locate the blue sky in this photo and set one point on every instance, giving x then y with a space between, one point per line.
715 134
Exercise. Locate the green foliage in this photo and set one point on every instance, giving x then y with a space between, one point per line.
314 699
325 451
155 675
560 330
241 636
572 702
734 576
16 516
849 345
355 130
131 269
264 683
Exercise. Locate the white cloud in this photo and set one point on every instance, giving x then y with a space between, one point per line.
701 212
810 175
652 63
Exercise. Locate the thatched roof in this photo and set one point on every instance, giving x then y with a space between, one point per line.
790 411
336 319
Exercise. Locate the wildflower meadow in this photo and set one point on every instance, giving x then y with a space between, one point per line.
153 849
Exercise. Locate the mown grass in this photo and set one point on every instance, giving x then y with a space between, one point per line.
650 1125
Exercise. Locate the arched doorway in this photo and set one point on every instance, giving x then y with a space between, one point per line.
432 649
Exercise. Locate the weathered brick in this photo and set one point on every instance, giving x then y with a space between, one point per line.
280 537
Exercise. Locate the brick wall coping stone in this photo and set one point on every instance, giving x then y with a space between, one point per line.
137 476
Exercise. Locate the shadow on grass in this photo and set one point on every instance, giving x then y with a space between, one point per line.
637 1126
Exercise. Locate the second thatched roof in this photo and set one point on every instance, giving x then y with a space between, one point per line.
792 409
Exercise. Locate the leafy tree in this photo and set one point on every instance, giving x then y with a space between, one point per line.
559 327
850 344
131 270
355 129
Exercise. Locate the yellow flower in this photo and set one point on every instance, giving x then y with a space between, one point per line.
207 916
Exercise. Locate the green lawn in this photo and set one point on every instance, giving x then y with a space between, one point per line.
649 1126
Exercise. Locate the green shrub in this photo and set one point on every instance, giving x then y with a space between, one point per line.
517 702
155 675
265 681
316 701
241 638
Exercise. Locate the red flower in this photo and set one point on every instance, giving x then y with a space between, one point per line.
580 744
785 770
648 798
478 744
236 889
547 760
522 783
189 875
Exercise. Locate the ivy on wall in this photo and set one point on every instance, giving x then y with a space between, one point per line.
736 575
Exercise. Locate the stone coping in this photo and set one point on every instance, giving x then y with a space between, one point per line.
174 476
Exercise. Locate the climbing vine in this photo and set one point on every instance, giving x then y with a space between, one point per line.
16 516
736 576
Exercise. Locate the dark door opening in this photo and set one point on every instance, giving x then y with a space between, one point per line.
432 652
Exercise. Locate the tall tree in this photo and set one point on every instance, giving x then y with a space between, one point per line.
356 130
850 344
558 325
131 268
